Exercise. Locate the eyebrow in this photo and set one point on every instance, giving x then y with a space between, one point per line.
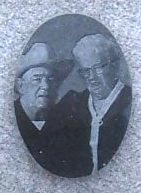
99 65
41 74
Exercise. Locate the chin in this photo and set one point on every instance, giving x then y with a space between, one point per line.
99 96
42 102
41 106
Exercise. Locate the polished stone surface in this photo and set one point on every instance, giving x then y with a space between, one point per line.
73 96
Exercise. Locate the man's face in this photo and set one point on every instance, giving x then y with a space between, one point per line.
100 79
37 87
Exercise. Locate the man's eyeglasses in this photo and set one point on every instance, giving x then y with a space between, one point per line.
86 72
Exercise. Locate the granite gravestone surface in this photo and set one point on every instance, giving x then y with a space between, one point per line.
72 95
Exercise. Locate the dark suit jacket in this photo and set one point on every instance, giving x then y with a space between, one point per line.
62 146
114 126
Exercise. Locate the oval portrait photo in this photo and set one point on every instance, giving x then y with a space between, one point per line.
73 95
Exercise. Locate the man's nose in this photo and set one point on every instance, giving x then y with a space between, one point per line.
44 84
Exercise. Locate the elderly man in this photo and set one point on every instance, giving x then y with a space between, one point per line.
109 100
35 83
61 143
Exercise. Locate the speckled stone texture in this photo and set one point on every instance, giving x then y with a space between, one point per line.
19 173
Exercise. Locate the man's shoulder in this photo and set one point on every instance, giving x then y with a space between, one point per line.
121 103
124 95
73 99
73 93
127 89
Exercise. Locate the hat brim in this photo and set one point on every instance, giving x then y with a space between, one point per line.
60 69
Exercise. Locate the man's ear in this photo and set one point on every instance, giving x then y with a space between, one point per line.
19 86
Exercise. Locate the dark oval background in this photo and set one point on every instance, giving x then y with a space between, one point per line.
61 34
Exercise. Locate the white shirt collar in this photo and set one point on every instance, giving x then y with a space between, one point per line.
108 101
38 124
97 118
